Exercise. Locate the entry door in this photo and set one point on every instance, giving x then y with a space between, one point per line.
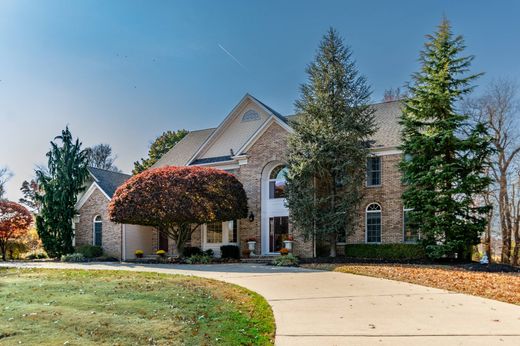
163 242
278 231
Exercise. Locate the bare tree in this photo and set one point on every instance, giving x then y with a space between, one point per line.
100 156
499 109
5 175
394 95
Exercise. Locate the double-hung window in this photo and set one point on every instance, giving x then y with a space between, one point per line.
374 171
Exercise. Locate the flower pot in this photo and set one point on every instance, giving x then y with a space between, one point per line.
288 244
251 245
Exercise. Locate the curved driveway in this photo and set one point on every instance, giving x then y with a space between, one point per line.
328 308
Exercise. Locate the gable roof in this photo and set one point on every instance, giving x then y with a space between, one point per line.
186 152
182 152
108 181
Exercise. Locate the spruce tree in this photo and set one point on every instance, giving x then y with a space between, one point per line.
444 154
328 150
59 186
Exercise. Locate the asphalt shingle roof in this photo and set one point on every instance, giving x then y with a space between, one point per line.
108 181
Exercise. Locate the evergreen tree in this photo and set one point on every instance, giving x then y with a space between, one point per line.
59 186
444 154
160 146
328 150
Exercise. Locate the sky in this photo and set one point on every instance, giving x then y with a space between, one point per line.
123 72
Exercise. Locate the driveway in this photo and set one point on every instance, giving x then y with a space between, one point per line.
327 308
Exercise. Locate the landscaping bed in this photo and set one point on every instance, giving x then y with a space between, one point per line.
76 307
494 285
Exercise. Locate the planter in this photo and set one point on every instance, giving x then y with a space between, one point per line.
288 244
251 245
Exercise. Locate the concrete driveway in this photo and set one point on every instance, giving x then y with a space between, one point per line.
327 308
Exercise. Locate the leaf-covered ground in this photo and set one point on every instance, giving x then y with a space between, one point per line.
499 286
75 307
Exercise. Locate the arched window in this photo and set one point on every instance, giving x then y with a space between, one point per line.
250 115
98 231
373 223
277 182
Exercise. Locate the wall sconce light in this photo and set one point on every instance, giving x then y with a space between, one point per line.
251 217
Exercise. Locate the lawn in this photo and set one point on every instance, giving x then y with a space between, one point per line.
75 307
499 286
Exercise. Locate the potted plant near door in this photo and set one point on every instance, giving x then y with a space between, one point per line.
288 243
251 245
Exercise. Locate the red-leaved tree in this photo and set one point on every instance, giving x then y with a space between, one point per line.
178 200
15 221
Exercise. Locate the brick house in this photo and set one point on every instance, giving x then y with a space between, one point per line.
251 143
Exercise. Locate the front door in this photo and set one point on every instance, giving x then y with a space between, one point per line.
278 231
163 242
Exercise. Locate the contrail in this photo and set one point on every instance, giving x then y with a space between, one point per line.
231 56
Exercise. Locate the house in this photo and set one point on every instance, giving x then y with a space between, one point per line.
251 143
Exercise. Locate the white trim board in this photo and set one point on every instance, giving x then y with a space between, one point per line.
89 192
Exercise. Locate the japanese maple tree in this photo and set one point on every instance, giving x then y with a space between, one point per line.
178 200
15 221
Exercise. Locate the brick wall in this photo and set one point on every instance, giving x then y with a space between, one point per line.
97 204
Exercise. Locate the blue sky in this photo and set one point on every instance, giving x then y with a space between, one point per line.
122 72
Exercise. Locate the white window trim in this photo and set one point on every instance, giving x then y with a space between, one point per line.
94 222
380 172
380 211
225 235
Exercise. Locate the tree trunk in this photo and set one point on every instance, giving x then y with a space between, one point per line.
184 234
3 246
333 241
505 219
515 260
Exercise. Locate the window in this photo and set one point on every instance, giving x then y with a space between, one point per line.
250 115
233 232
374 171
411 235
277 182
214 232
98 231
373 223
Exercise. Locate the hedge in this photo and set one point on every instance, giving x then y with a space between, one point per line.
230 251
90 251
386 251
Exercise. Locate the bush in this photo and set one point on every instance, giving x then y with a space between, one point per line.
191 251
198 259
209 253
139 253
36 255
161 253
386 251
284 251
286 261
230 251
73 257
90 251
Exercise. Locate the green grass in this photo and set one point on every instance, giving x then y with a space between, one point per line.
75 307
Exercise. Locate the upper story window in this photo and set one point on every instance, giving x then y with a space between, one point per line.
98 231
374 171
250 115
277 182
373 223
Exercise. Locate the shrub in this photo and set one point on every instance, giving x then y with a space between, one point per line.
386 251
90 251
230 251
284 251
36 255
161 253
210 253
73 257
139 253
191 250
286 261
198 259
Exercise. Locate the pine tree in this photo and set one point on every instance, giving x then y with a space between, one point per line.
328 150
59 186
444 154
